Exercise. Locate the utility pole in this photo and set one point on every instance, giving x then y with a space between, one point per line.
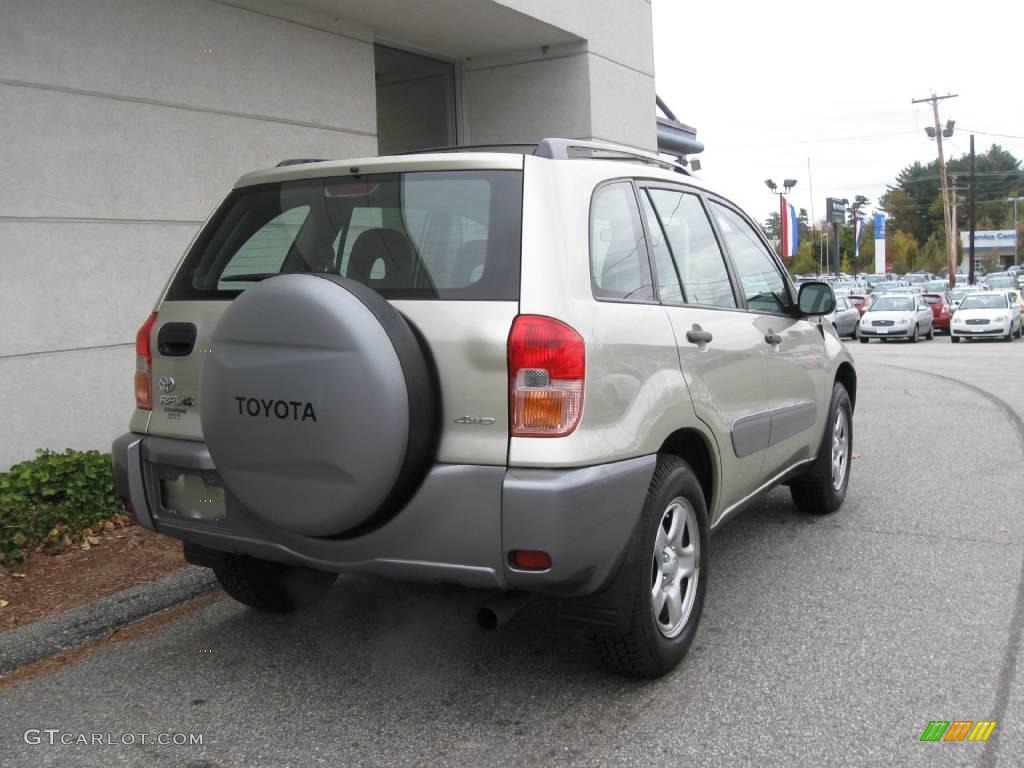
950 245
970 246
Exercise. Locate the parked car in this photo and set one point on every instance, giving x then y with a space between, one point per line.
844 318
957 294
890 286
941 313
991 314
860 301
1000 281
1017 297
892 316
448 367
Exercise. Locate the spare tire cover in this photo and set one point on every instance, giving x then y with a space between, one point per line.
305 402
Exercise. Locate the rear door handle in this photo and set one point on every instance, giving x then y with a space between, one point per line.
698 336
176 339
772 338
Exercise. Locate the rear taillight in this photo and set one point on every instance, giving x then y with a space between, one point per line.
144 366
546 368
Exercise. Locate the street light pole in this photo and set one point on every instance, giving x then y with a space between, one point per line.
937 133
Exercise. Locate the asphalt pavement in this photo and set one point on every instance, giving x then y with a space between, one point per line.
825 641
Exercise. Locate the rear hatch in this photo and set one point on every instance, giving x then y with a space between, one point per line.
441 245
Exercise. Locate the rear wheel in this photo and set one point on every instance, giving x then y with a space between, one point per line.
822 489
271 587
931 333
663 581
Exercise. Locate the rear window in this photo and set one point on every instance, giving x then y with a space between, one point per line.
429 235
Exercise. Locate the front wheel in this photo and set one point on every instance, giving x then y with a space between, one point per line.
822 489
663 581
271 587
914 337
954 339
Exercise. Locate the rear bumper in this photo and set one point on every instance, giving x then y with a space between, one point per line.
459 527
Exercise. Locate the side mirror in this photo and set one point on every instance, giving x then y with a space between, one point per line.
816 298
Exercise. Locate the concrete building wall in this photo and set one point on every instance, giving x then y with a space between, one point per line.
617 51
121 133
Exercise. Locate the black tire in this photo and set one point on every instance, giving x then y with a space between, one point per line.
814 493
914 338
864 340
1008 337
643 650
931 333
954 339
272 587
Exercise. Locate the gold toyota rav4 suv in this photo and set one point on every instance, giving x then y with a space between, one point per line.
547 373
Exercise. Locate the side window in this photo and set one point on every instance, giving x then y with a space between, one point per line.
669 290
619 267
265 250
694 249
763 286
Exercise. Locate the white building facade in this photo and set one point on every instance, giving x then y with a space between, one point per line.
125 121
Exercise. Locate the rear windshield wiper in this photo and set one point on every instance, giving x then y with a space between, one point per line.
254 277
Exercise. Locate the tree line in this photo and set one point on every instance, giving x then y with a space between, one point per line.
916 237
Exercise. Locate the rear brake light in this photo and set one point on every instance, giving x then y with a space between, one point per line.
546 369
144 365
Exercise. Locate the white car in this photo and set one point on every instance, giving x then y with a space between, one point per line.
897 315
987 313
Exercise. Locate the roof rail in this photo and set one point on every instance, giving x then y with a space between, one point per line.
563 149
516 149
300 161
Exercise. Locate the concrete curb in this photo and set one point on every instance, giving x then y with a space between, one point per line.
77 626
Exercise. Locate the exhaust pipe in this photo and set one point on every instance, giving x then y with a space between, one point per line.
496 613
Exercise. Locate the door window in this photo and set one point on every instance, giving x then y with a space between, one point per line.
669 289
694 249
763 285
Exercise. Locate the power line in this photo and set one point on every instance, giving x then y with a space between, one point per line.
821 141
998 135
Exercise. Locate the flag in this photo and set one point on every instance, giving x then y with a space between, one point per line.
790 234
858 230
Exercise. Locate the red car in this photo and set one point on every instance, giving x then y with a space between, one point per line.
941 311
860 302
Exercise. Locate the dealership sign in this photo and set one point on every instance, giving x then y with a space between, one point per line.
993 238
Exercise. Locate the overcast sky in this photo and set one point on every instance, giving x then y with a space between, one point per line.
769 85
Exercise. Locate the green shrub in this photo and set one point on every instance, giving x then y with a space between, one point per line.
54 499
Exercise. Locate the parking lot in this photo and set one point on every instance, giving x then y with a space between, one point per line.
828 641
